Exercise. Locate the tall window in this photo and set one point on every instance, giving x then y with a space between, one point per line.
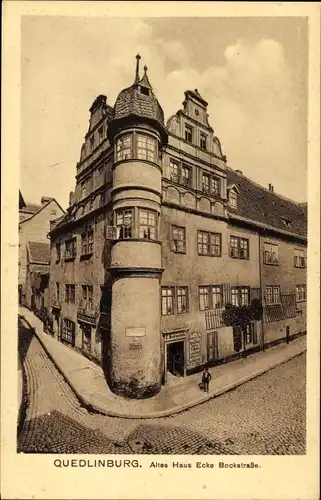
70 293
146 148
92 143
232 198
124 223
206 183
68 331
124 147
182 299
58 252
301 293
240 295
87 242
239 247
203 138
167 301
174 300
70 249
217 297
185 176
272 294
86 301
209 244
147 224
178 241
204 297
188 133
215 186
299 259
174 171
271 254
83 187
86 338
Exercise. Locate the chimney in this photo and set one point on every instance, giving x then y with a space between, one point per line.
271 188
45 199
239 172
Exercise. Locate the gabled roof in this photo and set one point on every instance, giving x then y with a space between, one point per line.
30 208
37 208
38 253
267 208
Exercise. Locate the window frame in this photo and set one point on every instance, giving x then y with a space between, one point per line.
58 252
70 293
203 141
188 133
179 229
122 228
238 293
165 297
268 255
209 235
87 298
68 331
270 294
147 226
70 254
176 169
302 291
299 258
122 147
149 153
234 198
236 248
174 296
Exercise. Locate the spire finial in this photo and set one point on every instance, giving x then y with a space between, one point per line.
145 69
137 68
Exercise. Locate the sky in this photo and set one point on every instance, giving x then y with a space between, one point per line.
252 72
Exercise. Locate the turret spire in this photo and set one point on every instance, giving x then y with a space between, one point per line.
137 68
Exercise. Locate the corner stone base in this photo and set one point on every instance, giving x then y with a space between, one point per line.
133 390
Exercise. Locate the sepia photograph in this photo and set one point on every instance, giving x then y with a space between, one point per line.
163 248
160 251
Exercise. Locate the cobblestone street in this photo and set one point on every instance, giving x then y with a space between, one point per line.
265 416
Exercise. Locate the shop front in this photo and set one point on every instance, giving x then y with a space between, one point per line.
183 353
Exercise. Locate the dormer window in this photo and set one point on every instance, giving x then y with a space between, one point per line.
232 198
203 141
188 133
144 90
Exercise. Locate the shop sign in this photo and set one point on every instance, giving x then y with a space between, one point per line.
194 345
86 319
175 336
135 347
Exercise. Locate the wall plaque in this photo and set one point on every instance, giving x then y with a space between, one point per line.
135 347
135 331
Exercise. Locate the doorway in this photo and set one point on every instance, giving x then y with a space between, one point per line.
175 358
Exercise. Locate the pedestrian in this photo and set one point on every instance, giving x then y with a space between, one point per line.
206 379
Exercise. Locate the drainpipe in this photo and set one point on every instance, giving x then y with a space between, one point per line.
261 287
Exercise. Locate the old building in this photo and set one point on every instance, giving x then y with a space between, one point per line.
34 226
161 238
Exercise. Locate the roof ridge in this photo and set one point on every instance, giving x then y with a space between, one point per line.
297 203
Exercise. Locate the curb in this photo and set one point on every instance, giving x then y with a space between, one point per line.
165 413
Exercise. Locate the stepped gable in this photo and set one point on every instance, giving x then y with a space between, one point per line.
266 207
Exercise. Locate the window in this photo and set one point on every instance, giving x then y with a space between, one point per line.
86 302
58 252
240 295
92 142
232 198
206 183
146 148
182 299
53 212
167 301
239 247
272 294
70 249
83 189
299 259
57 292
179 173
124 223
174 300
124 147
271 254
178 239
147 224
101 133
86 337
87 242
188 133
209 244
217 297
203 141
174 171
215 186
70 293
68 331
301 293
204 297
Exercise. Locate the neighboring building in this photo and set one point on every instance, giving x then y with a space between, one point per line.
159 237
34 226
37 278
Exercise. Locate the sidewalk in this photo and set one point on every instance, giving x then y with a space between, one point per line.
88 382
